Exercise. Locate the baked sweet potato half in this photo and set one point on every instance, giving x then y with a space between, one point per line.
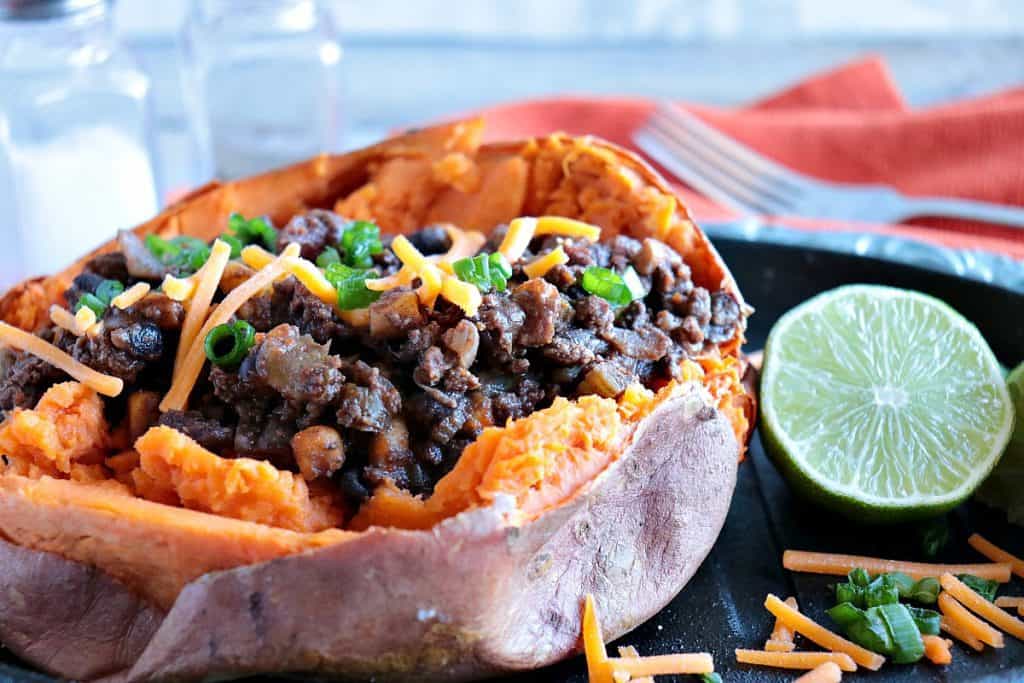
399 437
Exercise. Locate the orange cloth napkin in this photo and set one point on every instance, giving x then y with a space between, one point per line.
850 124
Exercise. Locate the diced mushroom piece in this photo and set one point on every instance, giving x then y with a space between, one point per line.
653 254
139 260
396 312
319 451
606 379
143 412
463 340
235 273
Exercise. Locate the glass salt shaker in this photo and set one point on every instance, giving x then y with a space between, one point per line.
76 141
262 82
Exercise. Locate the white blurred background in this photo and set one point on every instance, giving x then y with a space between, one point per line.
410 61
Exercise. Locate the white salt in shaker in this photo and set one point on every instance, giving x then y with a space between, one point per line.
76 142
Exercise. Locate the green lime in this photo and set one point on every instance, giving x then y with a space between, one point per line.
883 404
1004 488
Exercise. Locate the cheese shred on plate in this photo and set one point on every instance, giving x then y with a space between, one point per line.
187 372
29 343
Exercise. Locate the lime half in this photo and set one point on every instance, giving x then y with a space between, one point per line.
1004 488
882 403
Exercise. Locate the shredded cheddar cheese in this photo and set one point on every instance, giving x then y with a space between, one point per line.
517 239
817 633
402 278
130 296
103 384
462 294
85 318
540 266
311 277
187 372
63 318
557 225
179 289
465 243
208 280
430 275
522 230
256 257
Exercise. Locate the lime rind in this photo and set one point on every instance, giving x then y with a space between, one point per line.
882 403
1004 488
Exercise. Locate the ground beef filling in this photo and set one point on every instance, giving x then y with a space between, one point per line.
401 399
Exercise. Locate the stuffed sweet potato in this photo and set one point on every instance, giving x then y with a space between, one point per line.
399 437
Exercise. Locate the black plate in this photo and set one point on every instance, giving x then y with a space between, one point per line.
722 607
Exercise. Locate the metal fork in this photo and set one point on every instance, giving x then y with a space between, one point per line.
736 176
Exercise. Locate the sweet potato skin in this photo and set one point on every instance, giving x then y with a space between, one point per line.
485 597
68 618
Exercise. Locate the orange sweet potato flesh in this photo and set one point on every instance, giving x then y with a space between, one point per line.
242 488
517 533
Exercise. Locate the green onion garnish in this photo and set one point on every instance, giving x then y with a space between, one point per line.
351 286
163 250
187 254
227 345
610 286
927 620
712 677
327 257
107 290
360 242
986 588
863 591
888 629
93 302
253 230
233 242
485 271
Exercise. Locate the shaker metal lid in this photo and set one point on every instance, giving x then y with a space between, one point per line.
28 10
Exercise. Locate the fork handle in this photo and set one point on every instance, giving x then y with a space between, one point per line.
942 207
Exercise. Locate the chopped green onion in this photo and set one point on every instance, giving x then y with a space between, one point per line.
859 577
485 271
863 591
164 251
712 677
608 285
186 254
93 302
227 345
351 286
927 620
986 588
233 242
107 290
906 637
253 230
360 242
888 629
632 280
327 257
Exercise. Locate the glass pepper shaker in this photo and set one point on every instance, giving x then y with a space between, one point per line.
76 141
262 82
